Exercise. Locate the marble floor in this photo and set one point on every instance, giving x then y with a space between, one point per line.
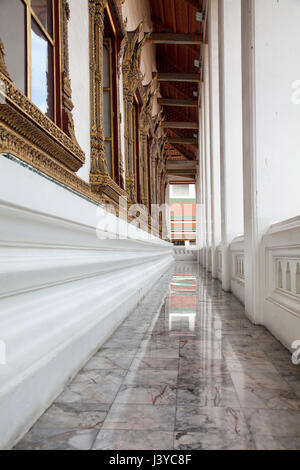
186 370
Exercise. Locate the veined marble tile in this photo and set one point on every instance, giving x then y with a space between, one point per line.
72 440
151 377
276 443
65 427
201 349
93 387
211 441
207 392
133 440
255 378
141 417
155 363
110 377
268 398
273 422
129 343
113 359
212 385
194 418
147 395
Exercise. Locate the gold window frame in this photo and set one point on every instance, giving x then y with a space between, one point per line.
100 180
27 133
30 13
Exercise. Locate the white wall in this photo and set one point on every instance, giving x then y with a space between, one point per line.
80 77
271 130
277 67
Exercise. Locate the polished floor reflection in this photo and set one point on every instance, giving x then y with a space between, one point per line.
186 370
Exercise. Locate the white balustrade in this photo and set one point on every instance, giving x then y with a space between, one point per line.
219 262
185 253
238 268
281 293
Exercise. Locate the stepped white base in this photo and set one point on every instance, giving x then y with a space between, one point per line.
63 291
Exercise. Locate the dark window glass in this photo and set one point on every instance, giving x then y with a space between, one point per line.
41 71
43 10
107 109
13 34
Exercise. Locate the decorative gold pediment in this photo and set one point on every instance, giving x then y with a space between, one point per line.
146 111
132 59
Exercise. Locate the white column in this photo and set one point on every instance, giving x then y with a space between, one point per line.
230 129
199 239
168 212
213 48
271 137
202 176
207 158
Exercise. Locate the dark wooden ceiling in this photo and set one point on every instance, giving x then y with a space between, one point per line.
178 16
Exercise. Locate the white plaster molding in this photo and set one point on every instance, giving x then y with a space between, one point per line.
63 290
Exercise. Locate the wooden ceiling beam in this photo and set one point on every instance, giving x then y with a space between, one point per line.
179 103
175 38
166 29
180 125
189 156
177 77
183 140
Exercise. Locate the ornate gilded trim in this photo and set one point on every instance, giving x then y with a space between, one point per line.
145 124
67 104
132 80
15 144
116 7
96 27
99 178
68 151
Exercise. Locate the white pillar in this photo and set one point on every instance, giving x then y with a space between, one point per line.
230 129
202 176
213 48
271 123
207 158
199 239
168 212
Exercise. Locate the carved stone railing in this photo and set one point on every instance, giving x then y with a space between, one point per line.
281 296
183 253
219 262
238 268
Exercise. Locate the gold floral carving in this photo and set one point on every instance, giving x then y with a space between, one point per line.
12 143
99 177
67 104
96 15
132 79
145 124
30 121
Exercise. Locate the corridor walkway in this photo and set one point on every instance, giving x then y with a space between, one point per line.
187 371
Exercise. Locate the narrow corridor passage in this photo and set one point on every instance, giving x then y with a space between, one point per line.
186 370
